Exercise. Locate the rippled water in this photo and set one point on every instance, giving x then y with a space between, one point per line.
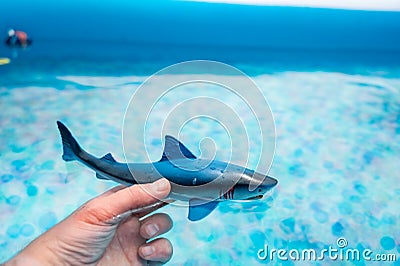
336 159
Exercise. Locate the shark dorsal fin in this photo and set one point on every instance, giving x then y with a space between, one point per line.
174 149
108 157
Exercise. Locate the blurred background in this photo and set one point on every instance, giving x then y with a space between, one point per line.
91 34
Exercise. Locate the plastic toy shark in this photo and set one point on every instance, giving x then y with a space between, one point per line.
202 182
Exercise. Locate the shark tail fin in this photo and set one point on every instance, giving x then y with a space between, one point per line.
71 148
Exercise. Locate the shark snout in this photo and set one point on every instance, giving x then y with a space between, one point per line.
258 192
269 182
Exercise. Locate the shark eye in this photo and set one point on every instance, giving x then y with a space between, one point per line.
259 190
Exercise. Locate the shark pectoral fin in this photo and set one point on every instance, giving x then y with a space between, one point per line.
198 209
108 157
99 176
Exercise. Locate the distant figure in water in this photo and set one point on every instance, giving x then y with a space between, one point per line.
17 39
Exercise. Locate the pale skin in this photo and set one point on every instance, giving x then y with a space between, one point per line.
97 233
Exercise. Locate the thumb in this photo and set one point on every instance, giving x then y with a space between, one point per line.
104 208
138 196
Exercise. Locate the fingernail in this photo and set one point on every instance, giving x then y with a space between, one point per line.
147 250
151 229
161 185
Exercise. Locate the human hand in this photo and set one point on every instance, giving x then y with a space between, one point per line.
104 231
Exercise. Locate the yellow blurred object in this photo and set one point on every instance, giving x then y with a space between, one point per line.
4 61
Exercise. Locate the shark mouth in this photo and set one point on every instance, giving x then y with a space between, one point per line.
255 197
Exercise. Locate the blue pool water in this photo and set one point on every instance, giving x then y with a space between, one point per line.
336 161
335 101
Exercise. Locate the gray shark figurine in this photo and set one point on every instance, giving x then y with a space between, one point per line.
199 181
